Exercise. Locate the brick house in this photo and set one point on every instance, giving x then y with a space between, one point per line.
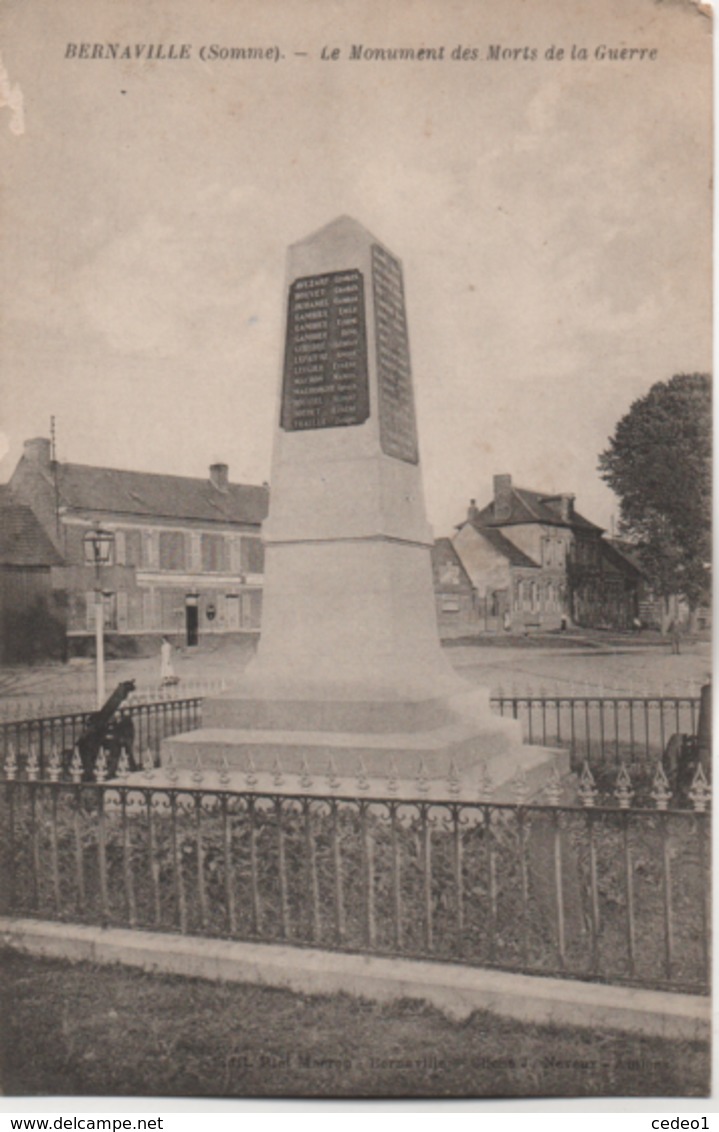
187 557
536 562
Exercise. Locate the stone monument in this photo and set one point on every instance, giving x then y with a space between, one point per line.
349 673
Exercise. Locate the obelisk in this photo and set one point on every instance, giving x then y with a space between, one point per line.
349 664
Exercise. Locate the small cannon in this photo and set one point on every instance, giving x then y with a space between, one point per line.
685 753
103 731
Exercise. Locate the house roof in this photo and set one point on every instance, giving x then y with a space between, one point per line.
84 487
444 553
495 538
23 541
626 552
533 507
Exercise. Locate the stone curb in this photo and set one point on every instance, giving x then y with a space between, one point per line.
456 990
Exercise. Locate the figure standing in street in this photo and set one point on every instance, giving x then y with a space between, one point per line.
167 672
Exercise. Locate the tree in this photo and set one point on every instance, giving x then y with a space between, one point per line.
659 465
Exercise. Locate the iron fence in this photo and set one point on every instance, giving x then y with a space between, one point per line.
153 721
17 708
605 731
617 895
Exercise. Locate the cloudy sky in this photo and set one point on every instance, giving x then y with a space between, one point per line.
553 219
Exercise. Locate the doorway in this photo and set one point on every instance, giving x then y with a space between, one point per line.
191 622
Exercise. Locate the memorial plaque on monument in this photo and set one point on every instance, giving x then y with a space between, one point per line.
398 429
325 378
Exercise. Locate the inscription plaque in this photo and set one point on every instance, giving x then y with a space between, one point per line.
397 424
325 382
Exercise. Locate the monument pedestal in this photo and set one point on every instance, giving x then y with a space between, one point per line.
440 740
349 672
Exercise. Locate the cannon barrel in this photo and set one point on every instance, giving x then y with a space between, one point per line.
97 727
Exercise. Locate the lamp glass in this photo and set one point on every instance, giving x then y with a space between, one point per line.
98 546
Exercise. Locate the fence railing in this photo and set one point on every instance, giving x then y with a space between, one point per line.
618 895
600 729
15 708
153 721
604 730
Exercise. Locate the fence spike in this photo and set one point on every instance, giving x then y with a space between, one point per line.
101 766
393 777
587 791
54 764
422 780
198 770
520 787
277 773
123 766
304 777
454 782
700 791
223 773
76 765
10 763
553 787
332 780
148 764
250 771
362 780
171 768
624 792
486 785
33 764
660 792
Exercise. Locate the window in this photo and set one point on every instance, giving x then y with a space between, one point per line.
232 611
109 602
252 556
133 548
172 550
213 553
90 609
149 620
450 605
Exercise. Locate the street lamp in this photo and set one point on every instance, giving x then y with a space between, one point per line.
98 551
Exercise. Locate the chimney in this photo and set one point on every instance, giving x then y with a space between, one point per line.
566 507
38 451
219 476
472 510
502 497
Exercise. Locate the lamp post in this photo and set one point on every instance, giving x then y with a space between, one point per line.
98 551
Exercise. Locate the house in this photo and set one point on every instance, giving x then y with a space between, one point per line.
537 563
656 612
32 611
453 590
187 558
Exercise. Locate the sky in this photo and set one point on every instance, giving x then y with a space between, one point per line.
553 218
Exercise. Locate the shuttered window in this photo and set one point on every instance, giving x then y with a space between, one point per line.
172 550
252 556
213 553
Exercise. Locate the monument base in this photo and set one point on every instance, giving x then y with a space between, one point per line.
411 745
